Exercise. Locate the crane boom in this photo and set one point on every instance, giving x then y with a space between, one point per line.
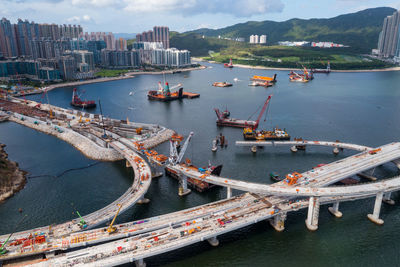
185 145
110 228
262 111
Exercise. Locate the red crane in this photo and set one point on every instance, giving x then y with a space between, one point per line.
262 112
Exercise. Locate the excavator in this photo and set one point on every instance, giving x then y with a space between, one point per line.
111 229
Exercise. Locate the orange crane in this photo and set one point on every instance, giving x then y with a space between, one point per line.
111 228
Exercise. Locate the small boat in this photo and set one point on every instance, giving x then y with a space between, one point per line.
235 80
131 93
221 84
214 145
275 177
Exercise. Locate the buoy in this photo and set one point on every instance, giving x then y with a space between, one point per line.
254 149
293 149
335 151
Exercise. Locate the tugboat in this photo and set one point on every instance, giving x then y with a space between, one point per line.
327 70
228 65
77 102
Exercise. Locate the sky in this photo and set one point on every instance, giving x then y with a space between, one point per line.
135 16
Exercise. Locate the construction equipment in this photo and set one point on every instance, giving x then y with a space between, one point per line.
174 157
82 224
3 249
48 102
111 228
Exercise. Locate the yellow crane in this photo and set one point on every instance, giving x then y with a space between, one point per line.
111 228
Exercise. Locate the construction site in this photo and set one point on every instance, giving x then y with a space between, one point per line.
80 241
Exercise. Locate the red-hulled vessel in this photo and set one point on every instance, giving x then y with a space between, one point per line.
77 102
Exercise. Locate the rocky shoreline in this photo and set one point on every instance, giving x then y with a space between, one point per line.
12 179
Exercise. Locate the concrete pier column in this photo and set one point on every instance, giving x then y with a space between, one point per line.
377 209
387 199
313 214
155 172
293 149
183 188
143 200
335 151
140 263
213 241
335 210
254 149
278 222
228 192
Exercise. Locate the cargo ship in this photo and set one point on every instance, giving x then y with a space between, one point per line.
165 94
264 78
221 84
77 102
223 118
199 185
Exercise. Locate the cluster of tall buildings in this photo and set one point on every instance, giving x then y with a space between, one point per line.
146 53
389 38
50 52
158 34
255 39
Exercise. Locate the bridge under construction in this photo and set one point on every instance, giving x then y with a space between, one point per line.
138 240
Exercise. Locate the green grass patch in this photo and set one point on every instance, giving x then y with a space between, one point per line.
111 73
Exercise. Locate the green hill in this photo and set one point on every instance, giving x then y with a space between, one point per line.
359 30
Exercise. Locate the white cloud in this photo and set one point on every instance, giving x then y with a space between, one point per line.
86 18
74 19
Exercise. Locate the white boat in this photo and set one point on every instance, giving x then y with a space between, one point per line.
131 93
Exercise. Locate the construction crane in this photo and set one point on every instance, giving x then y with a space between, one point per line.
111 228
3 249
48 102
82 224
174 157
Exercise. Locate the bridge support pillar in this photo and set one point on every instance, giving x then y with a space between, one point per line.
50 255
155 173
335 210
213 241
140 263
377 209
313 214
278 222
228 192
143 200
128 164
335 151
183 188
254 149
387 199
293 149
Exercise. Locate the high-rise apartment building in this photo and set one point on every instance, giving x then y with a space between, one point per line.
8 40
121 44
254 39
158 34
263 39
389 38
161 34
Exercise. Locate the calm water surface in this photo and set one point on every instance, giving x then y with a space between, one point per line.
360 108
